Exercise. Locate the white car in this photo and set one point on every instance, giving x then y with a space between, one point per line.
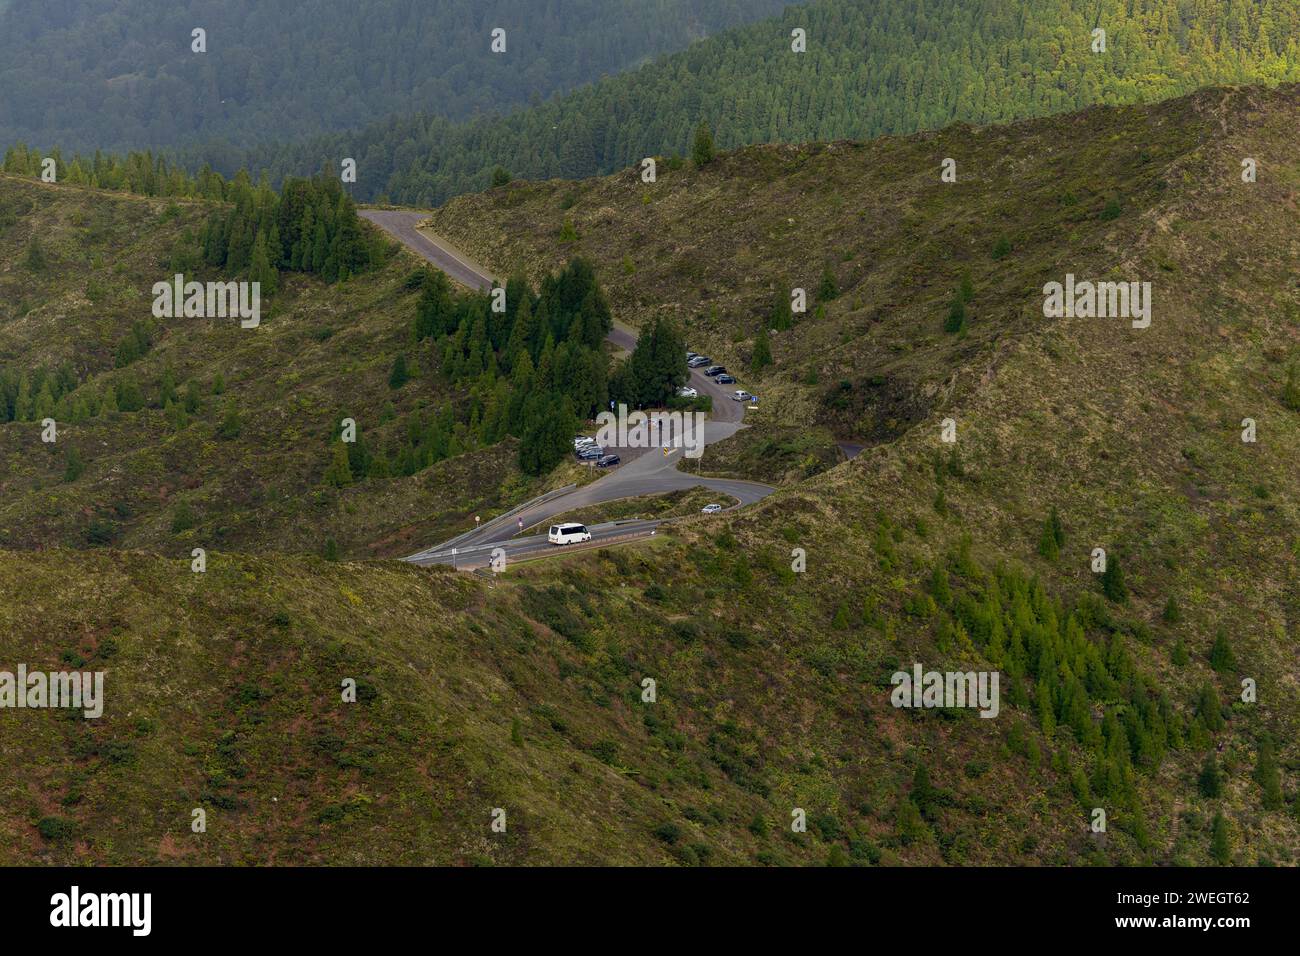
740 395
687 392
710 509
568 534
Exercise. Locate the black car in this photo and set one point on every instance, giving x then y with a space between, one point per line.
607 461
725 379
590 454
713 370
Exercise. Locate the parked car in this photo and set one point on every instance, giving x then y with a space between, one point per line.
590 453
568 534
691 355
698 361
713 370
607 461
740 395
725 379
687 392
710 509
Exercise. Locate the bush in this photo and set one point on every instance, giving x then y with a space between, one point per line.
182 518
55 828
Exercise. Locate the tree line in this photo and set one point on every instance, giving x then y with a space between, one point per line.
869 69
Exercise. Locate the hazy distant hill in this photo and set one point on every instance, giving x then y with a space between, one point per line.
121 74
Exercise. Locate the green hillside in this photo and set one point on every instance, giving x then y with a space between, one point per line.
1134 435
869 69
1120 692
176 432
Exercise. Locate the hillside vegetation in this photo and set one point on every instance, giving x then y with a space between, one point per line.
175 433
869 68
1134 435
771 633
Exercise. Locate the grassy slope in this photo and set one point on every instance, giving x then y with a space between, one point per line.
768 699
321 352
1134 435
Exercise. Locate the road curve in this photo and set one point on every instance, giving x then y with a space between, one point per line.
401 225
644 471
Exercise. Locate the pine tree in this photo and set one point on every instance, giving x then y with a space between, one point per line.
923 794
399 375
1179 656
1047 544
331 551
1266 775
1209 710
828 290
1291 392
841 620
955 323
702 152
260 269
1112 581
1210 782
35 258
1220 849
1222 660
1171 614
73 466
762 352
339 472
231 425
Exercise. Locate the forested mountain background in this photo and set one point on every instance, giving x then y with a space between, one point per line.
870 68
120 74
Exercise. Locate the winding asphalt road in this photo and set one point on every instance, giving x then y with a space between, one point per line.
643 472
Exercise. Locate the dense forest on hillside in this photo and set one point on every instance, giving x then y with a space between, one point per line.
85 74
870 68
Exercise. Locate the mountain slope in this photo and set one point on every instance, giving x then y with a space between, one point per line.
1135 435
870 68
83 75
227 439
1120 693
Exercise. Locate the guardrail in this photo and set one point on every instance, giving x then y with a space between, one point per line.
498 520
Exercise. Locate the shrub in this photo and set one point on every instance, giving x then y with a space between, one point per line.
55 828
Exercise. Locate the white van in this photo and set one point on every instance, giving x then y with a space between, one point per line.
568 534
